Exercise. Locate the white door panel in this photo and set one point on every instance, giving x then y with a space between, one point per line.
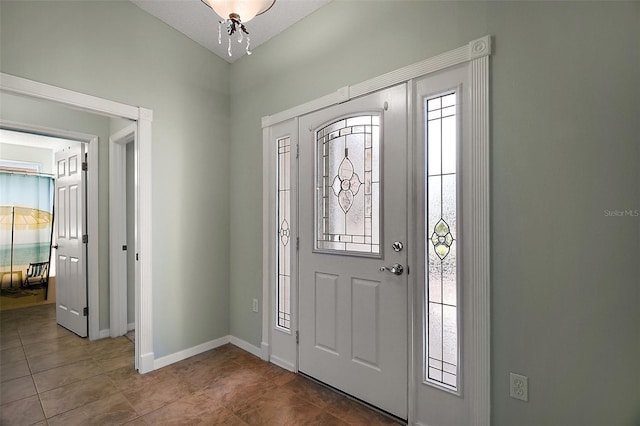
71 283
353 316
440 401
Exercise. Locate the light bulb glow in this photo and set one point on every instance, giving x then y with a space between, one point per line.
247 9
234 14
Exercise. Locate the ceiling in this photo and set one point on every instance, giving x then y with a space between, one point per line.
200 23
33 140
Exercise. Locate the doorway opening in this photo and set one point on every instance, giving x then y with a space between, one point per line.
26 220
42 144
144 355
27 241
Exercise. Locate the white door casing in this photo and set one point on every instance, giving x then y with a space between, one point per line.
144 273
353 322
118 229
70 216
475 380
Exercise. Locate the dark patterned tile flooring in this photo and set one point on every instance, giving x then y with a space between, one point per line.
49 376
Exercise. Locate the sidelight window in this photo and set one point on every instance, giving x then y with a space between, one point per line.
441 241
284 234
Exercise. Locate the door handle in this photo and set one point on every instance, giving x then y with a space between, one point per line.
395 269
55 246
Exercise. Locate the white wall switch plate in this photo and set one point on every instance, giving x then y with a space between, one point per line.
255 305
519 386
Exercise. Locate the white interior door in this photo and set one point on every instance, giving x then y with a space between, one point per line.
353 222
71 279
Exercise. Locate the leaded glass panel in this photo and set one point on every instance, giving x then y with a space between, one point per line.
347 210
441 241
284 234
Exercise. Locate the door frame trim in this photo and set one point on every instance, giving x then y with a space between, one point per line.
475 49
143 116
476 53
118 280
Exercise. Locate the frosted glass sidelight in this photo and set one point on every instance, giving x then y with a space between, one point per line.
449 144
347 176
449 335
440 241
433 155
434 104
284 233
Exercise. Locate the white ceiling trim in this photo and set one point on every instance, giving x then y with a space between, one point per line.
13 133
473 50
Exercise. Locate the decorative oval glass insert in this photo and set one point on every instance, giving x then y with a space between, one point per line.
442 239
347 177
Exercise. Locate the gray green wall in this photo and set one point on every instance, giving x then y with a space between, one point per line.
565 148
112 49
41 156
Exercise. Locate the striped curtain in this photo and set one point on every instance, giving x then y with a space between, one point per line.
26 224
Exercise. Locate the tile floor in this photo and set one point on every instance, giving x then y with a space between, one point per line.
49 376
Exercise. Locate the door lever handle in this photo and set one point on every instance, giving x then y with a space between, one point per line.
395 269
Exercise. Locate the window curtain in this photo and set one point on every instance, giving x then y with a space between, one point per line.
26 224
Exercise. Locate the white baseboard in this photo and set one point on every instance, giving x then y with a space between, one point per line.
147 363
107 333
207 346
252 349
188 353
103 334
283 363
265 351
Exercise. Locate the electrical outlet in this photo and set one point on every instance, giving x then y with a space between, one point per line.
255 305
519 386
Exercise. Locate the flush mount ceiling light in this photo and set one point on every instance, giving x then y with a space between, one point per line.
236 13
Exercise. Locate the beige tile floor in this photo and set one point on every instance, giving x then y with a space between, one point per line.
49 376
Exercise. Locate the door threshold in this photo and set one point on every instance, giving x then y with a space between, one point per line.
354 399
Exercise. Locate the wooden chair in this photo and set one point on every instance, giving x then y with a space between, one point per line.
38 276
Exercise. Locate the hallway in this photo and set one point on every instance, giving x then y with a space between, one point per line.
52 377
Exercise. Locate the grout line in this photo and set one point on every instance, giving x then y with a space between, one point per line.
44 414
235 358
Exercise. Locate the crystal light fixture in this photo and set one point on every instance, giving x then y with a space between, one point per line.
236 13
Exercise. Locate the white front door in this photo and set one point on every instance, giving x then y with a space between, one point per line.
71 281
353 230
